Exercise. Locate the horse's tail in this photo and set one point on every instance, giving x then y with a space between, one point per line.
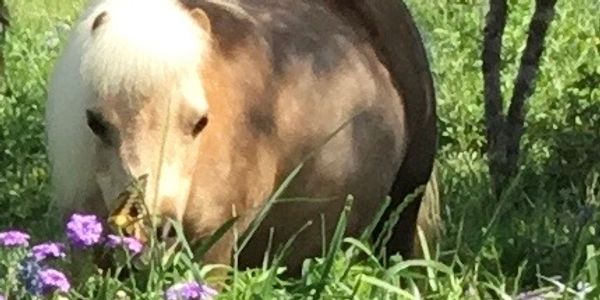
429 219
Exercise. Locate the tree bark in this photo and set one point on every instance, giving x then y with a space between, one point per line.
524 83
3 28
494 116
504 132
3 17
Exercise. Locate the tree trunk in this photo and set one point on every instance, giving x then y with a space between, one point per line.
3 29
494 116
504 132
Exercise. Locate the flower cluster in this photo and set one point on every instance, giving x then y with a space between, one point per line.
44 251
40 280
53 280
14 238
189 291
29 275
131 244
83 232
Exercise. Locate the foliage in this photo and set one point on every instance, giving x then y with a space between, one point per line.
540 222
542 237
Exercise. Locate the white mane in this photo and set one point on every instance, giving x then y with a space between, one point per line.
142 42
139 44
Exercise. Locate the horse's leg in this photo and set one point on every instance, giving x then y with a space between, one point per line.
414 172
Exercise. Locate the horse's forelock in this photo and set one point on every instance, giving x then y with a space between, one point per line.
131 46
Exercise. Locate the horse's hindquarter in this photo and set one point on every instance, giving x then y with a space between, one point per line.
326 75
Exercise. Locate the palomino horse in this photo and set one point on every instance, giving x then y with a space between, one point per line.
218 101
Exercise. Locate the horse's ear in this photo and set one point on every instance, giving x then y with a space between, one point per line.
201 18
99 20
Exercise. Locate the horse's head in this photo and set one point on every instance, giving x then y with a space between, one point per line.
142 62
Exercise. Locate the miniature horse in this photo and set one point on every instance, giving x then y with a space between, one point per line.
218 101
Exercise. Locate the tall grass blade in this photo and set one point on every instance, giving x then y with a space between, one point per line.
280 257
426 255
336 242
391 222
388 288
206 244
366 235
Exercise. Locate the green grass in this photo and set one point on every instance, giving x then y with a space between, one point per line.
545 226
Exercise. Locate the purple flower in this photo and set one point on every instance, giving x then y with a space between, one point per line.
84 230
189 291
2 297
131 244
48 250
53 280
14 238
29 275
39 281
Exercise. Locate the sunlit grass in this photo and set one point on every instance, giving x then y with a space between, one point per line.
542 237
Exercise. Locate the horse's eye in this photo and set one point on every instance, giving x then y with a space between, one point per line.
97 124
199 126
